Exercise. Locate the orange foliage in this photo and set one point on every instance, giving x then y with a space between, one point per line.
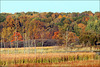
72 37
10 21
59 16
56 36
64 16
54 15
16 36
38 24
90 14
85 19
82 26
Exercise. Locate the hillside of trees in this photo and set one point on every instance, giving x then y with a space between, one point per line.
68 28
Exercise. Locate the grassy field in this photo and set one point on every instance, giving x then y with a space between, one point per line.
50 49
47 56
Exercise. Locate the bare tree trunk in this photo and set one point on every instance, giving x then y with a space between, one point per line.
17 44
10 41
24 42
32 45
4 44
28 41
1 44
8 50
23 37
10 46
15 35
29 46
35 46
66 37
42 45
4 47
42 36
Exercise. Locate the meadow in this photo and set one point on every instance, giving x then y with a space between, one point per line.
48 49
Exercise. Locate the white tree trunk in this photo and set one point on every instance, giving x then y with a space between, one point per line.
35 46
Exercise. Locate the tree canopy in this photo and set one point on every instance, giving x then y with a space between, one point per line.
83 26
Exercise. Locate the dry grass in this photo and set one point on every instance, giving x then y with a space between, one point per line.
51 49
38 59
27 48
44 55
10 59
86 63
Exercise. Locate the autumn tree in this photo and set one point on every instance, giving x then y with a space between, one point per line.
48 25
88 36
72 38
93 24
82 26
56 35
16 37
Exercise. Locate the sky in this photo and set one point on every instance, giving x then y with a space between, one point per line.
49 6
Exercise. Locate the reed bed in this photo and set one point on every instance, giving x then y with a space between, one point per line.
85 63
10 59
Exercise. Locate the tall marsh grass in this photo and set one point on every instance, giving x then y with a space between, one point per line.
45 58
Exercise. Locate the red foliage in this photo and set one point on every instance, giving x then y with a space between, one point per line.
85 18
55 35
16 36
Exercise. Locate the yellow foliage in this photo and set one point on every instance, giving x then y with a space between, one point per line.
96 21
59 16
64 16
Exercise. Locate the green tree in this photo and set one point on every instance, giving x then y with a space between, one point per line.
93 24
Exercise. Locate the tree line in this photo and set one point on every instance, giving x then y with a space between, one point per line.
69 28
